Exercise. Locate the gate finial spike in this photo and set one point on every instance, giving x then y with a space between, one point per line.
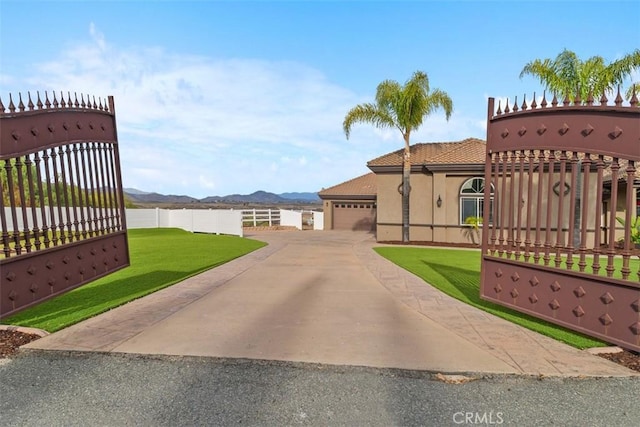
12 107
543 104
47 103
523 107
534 104
619 99
76 103
566 101
21 104
63 104
506 108
590 98
1 106
39 103
554 101
515 104
30 102
499 109
603 99
577 100
82 103
634 98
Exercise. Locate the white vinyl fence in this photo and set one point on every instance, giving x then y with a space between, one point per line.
260 217
299 219
218 221
318 220
302 220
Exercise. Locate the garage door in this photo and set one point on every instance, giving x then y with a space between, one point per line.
354 216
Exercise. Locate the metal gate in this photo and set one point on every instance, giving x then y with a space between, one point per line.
559 241
62 206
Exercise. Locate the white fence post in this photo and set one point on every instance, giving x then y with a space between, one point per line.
318 220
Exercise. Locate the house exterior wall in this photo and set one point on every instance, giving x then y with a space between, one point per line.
389 225
327 214
428 222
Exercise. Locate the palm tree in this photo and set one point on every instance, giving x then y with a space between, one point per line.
568 75
404 108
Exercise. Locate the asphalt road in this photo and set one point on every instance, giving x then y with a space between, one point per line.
87 389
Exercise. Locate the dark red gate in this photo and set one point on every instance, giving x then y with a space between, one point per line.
62 210
560 242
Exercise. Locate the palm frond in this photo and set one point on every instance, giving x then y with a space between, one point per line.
634 88
544 71
403 107
440 99
623 67
568 75
367 113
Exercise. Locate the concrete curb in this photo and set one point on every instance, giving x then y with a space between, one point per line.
23 329
603 350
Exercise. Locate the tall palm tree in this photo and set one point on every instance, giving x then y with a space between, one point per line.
568 75
404 108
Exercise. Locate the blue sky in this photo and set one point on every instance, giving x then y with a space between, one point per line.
221 97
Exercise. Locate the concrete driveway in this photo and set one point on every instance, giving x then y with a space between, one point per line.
323 297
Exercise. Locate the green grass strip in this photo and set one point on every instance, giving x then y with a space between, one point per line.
159 258
457 274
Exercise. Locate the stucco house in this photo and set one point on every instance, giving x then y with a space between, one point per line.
447 186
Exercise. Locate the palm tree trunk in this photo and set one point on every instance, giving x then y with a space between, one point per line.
406 188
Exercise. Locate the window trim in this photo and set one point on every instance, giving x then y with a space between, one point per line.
476 196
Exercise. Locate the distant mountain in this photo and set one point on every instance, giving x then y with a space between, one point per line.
311 197
159 198
134 191
259 197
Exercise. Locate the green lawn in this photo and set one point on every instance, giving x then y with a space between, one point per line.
159 258
457 273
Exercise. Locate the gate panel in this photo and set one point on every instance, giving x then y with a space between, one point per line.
62 205
573 300
560 245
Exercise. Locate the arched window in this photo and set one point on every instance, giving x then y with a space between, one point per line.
472 199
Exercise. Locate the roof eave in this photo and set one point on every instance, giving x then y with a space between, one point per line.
348 197
431 167
458 167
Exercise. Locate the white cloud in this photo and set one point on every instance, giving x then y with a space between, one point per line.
206 182
97 36
192 125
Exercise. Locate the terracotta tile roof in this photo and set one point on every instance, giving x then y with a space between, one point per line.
468 151
364 186
622 172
